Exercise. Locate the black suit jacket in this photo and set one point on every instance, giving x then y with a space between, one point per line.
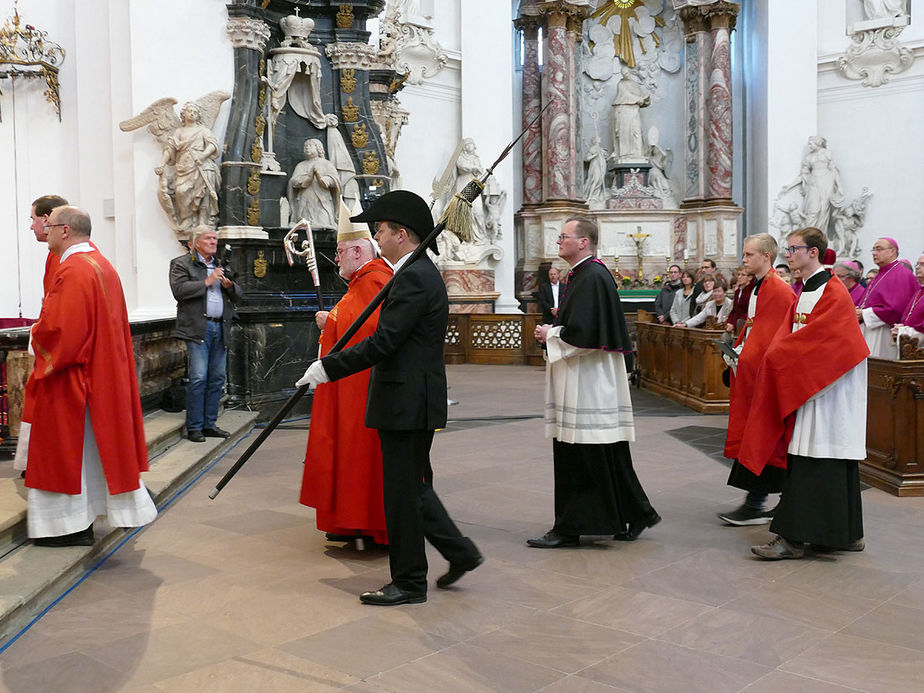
547 301
407 386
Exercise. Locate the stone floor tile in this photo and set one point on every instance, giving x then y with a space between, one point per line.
74 673
893 624
777 681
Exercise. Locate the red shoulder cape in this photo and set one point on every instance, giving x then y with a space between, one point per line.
775 301
343 462
84 358
798 365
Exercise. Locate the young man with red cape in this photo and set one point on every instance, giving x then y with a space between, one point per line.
343 463
87 447
815 396
886 297
769 307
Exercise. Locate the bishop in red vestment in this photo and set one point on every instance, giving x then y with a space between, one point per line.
343 463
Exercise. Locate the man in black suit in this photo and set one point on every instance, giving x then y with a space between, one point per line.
550 296
406 402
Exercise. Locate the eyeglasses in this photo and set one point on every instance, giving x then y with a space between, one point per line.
879 248
51 226
340 252
791 250
563 237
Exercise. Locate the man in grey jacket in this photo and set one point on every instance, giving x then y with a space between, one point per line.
205 299
665 298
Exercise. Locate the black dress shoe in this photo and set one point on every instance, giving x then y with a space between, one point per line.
82 538
552 540
215 433
457 571
195 437
392 595
637 527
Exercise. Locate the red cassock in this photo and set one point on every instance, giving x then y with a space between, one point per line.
343 463
797 366
84 358
775 301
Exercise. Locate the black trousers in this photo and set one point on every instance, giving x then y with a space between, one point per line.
770 480
414 512
596 489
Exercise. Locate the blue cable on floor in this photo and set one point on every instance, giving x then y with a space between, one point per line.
118 546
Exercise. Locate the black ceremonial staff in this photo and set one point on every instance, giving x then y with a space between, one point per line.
458 219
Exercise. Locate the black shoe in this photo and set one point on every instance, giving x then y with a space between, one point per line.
195 437
746 516
552 540
457 571
392 595
81 538
215 433
637 527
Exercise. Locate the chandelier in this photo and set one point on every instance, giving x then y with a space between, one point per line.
26 52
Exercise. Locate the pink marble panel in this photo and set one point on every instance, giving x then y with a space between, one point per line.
559 84
720 117
532 140
468 281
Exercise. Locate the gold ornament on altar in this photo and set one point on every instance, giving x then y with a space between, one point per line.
26 52
253 181
371 163
253 213
360 136
345 16
350 111
348 80
260 265
622 42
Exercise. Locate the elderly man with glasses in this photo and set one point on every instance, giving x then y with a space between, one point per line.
886 297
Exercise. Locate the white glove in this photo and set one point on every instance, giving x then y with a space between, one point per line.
314 376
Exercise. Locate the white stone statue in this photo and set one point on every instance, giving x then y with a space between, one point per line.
495 199
627 120
659 176
884 9
819 183
848 220
467 165
314 188
595 181
188 173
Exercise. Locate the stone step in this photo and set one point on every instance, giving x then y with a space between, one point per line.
32 577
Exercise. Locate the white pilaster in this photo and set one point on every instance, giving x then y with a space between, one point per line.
781 66
488 113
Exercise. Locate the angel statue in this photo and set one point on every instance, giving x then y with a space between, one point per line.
188 173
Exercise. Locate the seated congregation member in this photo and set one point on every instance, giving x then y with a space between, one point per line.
701 299
912 323
769 309
886 297
741 298
665 299
588 411
719 308
683 298
821 403
849 274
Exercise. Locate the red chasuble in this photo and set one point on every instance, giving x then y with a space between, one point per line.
84 358
343 463
52 262
775 301
797 366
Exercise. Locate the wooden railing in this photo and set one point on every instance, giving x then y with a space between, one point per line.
492 338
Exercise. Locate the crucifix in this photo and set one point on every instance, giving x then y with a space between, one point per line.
639 239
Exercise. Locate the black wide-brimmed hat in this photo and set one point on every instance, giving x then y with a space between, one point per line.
404 208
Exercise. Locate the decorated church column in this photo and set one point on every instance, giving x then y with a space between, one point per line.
696 69
532 103
721 18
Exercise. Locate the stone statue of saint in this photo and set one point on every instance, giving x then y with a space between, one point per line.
848 220
659 176
188 173
595 182
882 9
458 174
314 188
820 184
627 120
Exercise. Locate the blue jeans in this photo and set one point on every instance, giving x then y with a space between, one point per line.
207 363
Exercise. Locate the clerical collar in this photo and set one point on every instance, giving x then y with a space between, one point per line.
395 266
583 259
83 247
818 279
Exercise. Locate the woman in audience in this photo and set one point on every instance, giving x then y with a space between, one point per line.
719 308
683 298
849 274
740 298
702 299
